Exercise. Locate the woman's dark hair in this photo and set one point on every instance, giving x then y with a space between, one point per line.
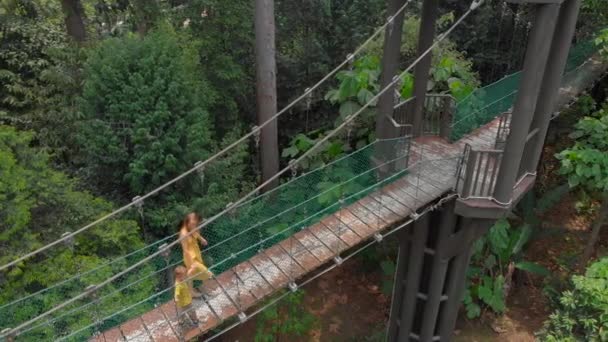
188 217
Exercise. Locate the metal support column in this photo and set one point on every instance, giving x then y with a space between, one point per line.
562 41
430 9
536 58
431 275
390 66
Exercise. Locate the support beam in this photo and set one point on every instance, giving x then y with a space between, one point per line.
430 10
431 275
266 86
390 65
562 41
537 55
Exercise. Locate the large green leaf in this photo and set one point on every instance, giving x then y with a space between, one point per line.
551 198
532 268
349 87
348 108
498 236
364 96
522 238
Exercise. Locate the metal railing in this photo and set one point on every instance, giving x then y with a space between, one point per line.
504 127
438 114
477 173
402 146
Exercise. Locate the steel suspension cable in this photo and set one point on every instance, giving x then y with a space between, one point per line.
86 305
474 5
200 165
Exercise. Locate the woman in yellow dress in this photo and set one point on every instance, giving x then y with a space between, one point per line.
193 259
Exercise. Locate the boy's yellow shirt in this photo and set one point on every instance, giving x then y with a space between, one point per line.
182 297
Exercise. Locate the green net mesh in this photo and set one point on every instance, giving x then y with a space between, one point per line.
235 237
484 104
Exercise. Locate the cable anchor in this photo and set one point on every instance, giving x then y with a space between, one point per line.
308 93
164 251
475 4
68 240
200 169
390 24
256 135
230 210
293 287
139 204
293 166
351 60
378 237
397 83
338 260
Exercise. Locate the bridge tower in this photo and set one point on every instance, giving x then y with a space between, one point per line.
434 254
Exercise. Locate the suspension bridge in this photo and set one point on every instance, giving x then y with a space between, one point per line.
264 246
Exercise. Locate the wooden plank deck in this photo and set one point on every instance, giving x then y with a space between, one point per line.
433 165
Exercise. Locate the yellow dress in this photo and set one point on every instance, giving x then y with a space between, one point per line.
182 296
193 258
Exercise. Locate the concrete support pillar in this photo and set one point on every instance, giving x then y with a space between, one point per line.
431 273
428 18
562 41
390 66
536 58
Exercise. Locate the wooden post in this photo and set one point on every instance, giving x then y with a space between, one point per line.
266 87
74 24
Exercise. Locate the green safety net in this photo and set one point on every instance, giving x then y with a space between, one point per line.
233 238
485 104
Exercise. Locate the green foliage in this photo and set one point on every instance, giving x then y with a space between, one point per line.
601 41
582 311
327 152
314 36
146 121
586 163
225 37
38 206
39 81
451 72
288 319
593 17
501 249
358 86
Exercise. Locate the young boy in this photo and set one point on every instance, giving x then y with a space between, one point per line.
183 298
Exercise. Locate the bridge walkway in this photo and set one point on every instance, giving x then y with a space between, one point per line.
432 174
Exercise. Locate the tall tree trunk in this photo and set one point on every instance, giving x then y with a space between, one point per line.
266 87
146 12
595 233
74 22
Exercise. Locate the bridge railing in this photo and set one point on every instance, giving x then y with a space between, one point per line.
438 111
478 172
504 127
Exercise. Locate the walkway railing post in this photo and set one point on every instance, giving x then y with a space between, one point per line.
390 65
537 55
562 41
430 10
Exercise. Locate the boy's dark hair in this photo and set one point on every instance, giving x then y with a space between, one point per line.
180 271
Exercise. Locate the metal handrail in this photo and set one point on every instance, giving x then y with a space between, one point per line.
478 173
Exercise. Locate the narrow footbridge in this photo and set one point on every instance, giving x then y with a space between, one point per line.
281 240
431 175
389 195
